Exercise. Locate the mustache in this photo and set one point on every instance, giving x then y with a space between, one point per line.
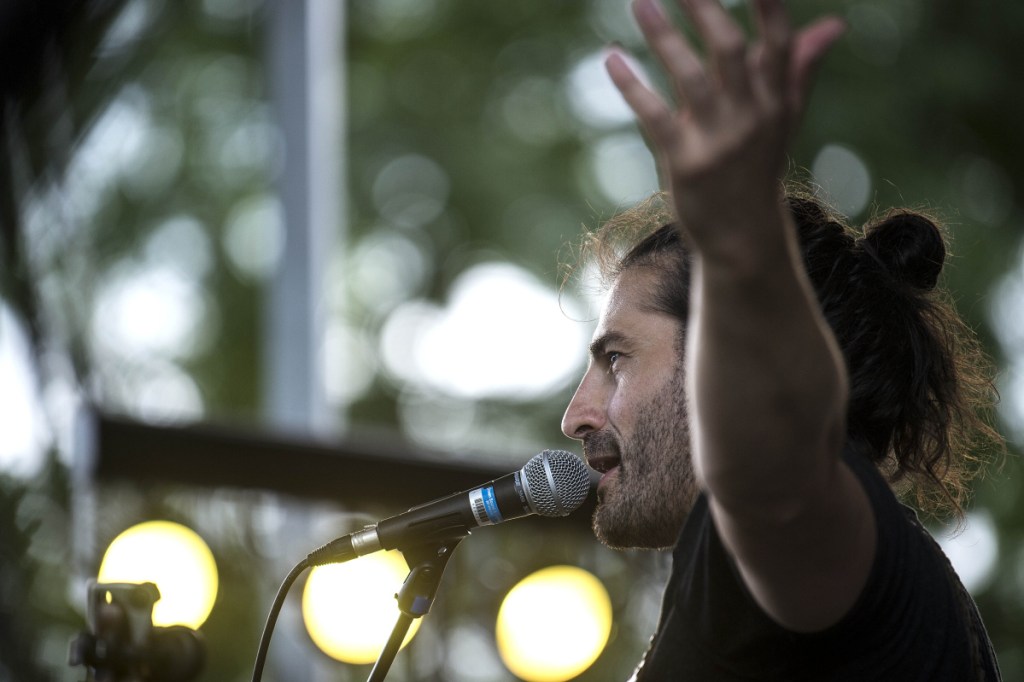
600 443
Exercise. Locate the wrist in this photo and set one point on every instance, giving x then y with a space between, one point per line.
748 248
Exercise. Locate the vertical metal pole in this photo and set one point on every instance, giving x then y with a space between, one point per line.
305 63
306 78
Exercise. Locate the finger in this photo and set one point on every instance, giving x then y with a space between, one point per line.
773 49
675 53
809 47
652 112
726 45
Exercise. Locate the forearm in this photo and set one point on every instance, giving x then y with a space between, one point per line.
767 380
766 383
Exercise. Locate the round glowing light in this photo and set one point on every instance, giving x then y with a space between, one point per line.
533 639
176 559
350 608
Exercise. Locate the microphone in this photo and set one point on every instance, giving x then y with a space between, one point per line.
552 483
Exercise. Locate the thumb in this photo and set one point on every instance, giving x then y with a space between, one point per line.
809 47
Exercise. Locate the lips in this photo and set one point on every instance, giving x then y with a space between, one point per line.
602 453
608 466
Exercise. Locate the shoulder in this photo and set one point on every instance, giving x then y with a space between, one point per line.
913 620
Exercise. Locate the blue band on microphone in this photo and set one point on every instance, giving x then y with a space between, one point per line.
491 505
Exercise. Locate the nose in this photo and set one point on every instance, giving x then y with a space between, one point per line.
586 411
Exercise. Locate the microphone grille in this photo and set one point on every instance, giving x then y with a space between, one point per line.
557 482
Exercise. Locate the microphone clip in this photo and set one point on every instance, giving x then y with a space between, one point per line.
426 566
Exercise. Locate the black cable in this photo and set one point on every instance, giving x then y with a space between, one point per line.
268 629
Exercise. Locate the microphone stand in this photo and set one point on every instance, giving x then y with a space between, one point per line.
426 563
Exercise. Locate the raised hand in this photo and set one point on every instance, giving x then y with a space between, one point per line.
723 145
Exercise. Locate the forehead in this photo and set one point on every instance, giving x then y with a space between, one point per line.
628 314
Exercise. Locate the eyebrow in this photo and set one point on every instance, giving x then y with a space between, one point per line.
601 343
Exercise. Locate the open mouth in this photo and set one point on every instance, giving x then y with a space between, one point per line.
606 466
602 454
603 464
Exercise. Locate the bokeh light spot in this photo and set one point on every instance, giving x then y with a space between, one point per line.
147 311
843 177
254 236
24 436
350 609
502 335
594 98
532 638
973 550
176 559
411 191
623 168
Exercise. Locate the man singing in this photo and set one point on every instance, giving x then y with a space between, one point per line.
762 378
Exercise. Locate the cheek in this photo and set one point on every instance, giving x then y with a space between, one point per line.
622 405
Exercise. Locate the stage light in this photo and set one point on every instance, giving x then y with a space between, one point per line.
350 608
176 559
554 624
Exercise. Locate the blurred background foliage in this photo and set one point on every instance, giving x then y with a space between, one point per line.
141 227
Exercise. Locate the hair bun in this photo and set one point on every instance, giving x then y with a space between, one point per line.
910 247
817 227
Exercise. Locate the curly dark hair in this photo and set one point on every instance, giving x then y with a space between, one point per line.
922 394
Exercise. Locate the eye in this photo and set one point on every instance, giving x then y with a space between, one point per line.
611 357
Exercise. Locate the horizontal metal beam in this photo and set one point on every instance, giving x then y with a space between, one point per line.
371 474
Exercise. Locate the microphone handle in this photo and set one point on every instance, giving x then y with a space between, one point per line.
499 500
450 517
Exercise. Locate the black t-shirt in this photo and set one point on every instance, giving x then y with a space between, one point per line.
913 621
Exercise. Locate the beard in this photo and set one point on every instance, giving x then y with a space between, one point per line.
648 499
